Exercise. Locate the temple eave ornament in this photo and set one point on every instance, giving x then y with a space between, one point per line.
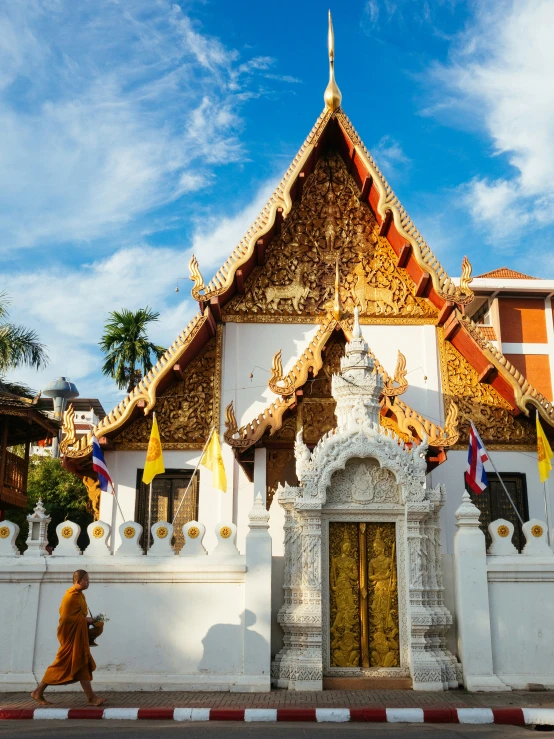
197 278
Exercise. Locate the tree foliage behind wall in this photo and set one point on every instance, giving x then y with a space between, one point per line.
63 495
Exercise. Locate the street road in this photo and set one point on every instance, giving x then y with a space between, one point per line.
234 730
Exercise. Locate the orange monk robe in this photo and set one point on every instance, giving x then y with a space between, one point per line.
73 661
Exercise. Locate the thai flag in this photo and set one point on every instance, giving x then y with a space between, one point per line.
99 466
476 477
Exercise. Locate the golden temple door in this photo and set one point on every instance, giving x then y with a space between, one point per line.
363 595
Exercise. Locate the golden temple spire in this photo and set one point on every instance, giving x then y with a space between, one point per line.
332 94
338 311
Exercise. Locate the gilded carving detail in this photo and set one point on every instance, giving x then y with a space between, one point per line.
344 594
383 595
187 410
329 229
363 594
280 469
480 402
94 493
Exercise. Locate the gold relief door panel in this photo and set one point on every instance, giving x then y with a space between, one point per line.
363 595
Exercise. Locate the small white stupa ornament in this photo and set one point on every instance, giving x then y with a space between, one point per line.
37 540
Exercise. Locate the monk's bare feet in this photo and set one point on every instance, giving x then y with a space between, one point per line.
96 701
40 699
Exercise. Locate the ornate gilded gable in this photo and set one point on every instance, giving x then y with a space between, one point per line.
481 403
187 409
329 223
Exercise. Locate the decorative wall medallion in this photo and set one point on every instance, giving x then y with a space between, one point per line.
537 530
193 532
67 532
129 532
225 532
363 481
162 532
503 531
98 532
4 532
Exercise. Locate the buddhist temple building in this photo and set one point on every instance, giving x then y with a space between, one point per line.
331 291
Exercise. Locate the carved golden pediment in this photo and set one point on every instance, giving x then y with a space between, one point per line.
328 231
479 402
187 410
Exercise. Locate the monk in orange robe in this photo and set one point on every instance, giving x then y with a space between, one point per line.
73 661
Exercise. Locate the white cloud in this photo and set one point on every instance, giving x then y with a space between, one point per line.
109 110
389 155
215 239
500 76
68 307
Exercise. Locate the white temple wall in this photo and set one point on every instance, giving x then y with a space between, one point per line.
451 474
181 634
504 603
195 621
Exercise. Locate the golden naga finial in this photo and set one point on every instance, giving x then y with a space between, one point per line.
231 426
338 311
399 378
463 294
277 383
466 277
332 94
197 278
68 429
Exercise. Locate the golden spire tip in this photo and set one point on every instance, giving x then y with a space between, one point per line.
332 94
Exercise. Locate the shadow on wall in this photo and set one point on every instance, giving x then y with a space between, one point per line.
221 640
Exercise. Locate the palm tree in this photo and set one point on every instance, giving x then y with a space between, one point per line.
18 345
127 348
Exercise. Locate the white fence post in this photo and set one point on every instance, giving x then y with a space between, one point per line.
472 601
257 603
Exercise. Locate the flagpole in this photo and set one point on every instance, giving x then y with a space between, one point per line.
149 518
497 472
114 516
115 503
193 474
114 520
546 513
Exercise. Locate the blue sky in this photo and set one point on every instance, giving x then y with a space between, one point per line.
135 132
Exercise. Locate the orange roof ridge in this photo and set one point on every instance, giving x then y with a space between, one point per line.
505 273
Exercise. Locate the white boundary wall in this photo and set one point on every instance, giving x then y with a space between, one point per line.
504 604
176 622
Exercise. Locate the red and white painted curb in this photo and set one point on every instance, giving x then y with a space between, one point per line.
513 716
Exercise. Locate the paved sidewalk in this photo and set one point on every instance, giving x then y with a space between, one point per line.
289 699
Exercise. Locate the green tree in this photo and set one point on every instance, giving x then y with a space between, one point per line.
63 494
127 348
18 345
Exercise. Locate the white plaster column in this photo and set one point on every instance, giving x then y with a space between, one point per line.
472 601
257 603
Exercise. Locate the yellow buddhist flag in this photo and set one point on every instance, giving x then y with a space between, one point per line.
212 459
154 464
544 452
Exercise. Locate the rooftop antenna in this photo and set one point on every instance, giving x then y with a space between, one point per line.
332 94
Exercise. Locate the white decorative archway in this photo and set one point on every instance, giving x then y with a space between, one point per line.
362 471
